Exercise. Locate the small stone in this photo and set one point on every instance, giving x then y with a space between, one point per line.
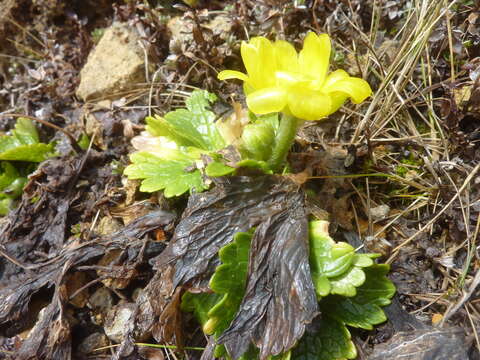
119 320
116 63
93 342
101 299
380 212
108 225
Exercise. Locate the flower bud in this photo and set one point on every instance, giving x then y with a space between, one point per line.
258 140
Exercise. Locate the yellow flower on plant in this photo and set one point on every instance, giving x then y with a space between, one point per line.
280 79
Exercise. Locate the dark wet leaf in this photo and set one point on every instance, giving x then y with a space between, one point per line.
51 336
280 297
211 219
15 296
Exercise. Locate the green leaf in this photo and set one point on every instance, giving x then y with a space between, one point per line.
216 311
175 175
258 138
23 144
199 304
351 313
255 164
84 141
347 283
15 189
335 267
328 258
332 341
8 143
230 280
26 132
8 174
5 205
377 288
257 141
363 310
31 153
217 169
193 126
333 264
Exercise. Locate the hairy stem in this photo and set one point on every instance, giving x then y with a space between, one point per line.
285 136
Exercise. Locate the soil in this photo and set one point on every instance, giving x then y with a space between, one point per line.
398 175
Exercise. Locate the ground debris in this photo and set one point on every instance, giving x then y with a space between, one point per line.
279 274
424 344
15 297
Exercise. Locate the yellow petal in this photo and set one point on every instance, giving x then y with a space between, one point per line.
333 77
306 104
259 58
355 88
250 59
288 79
314 57
268 100
286 55
337 99
231 74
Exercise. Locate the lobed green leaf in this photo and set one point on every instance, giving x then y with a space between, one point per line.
331 341
194 126
363 310
175 176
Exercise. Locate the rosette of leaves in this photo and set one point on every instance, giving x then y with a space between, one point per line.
169 154
19 151
170 151
328 337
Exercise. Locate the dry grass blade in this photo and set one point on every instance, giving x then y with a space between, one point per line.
389 99
467 181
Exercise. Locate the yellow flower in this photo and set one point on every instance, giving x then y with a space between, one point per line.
280 79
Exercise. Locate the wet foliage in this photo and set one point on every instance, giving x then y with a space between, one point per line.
279 280
398 176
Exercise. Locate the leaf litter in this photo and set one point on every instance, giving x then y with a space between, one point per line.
432 272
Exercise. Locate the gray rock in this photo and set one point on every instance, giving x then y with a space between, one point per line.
115 64
101 299
379 212
119 320
424 344
92 342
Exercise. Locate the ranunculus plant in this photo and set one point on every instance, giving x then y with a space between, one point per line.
262 227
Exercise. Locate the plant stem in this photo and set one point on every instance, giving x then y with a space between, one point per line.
285 137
